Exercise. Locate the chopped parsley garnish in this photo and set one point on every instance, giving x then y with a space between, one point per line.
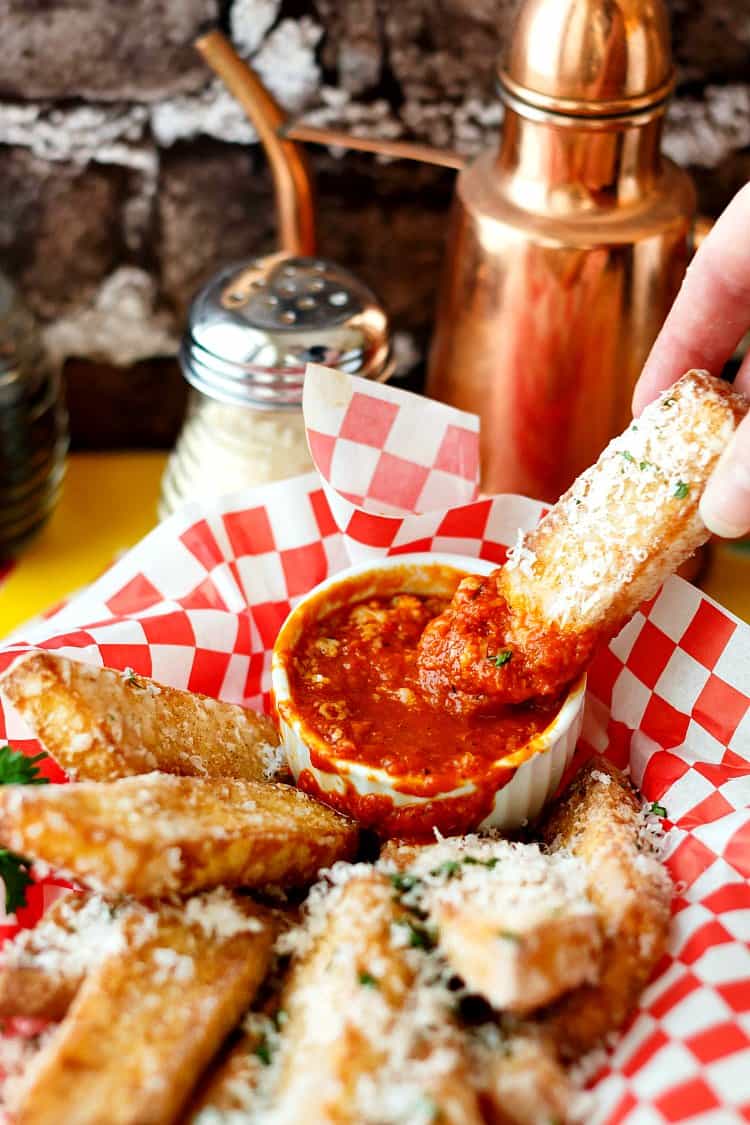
627 455
131 678
450 868
20 769
419 936
403 881
646 465
15 872
502 657
263 1051
508 935
681 489
472 861
657 809
367 980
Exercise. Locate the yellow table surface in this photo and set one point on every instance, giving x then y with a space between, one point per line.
109 503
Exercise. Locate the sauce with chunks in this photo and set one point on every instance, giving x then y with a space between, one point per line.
354 681
477 656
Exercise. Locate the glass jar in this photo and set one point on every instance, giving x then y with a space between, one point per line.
251 332
33 426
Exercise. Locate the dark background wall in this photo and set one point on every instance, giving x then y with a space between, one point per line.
127 174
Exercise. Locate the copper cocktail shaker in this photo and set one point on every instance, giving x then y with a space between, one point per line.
567 245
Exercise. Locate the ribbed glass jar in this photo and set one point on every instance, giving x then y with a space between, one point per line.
33 426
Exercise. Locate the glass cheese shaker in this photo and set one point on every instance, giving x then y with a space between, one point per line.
251 331
33 426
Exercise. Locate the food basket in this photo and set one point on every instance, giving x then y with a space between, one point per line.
198 604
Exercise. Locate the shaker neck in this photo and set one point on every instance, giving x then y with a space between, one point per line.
555 163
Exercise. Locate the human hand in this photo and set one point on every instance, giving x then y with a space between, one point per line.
708 319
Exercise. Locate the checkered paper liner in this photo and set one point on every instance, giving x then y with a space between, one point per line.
198 603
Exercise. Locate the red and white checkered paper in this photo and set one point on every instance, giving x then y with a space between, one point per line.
198 604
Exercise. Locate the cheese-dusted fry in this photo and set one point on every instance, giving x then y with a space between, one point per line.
41 969
522 1083
158 834
624 526
377 1043
599 820
100 725
18 1051
516 924
149 1018
230 1089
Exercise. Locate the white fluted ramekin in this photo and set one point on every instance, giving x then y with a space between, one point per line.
373 795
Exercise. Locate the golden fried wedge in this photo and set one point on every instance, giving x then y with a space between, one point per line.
147 1020
599 820
42 969
356 1016
524 1084
158 834
609 543
516 924
231 1086
100 725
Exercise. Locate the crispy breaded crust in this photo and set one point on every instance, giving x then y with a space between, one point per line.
146 1022
100 725
599 819
158 834
518 966
630 520
231 1085
524 1084
42 969
514 923
346 1004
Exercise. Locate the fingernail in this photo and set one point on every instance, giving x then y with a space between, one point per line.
725 504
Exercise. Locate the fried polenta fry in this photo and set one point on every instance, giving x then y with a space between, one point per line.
517 925
599 820
366 1030
607 545
522 1083
148 1019
100 725
230 1088
42 969
157 834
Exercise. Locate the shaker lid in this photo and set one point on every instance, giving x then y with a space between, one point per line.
256 324
590 58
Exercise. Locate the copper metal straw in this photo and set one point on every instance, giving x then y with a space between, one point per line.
291 175
399 150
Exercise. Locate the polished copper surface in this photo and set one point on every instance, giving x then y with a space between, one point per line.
590 57
292 178
567 246
399 150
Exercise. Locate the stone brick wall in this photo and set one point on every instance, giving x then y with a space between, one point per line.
127 174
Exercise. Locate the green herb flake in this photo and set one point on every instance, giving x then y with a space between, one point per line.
657 809
403 881
20 769
131 678
508 935
627 455
646 465
15 872
419 936
280 1018
367 980
450 868
501 658
681 490
263 1051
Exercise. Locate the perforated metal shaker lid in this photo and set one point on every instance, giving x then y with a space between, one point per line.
255 325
